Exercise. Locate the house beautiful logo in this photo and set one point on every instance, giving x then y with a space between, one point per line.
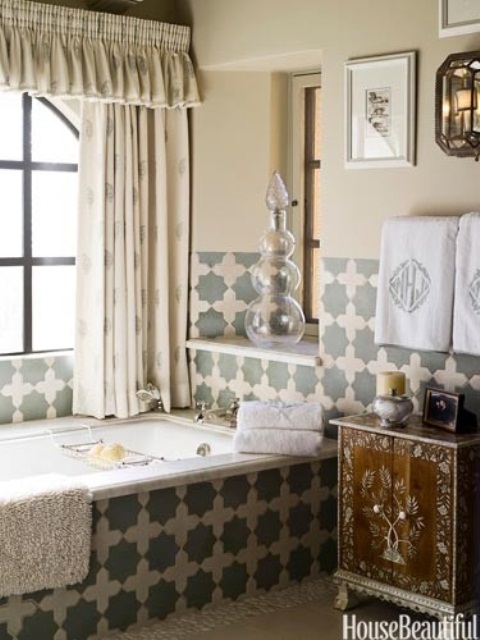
457 627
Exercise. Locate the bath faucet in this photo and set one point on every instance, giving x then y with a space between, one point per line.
151 394
226 416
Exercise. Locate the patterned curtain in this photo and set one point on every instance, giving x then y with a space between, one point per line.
136 79
132 275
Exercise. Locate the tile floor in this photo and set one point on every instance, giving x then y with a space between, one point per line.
302 612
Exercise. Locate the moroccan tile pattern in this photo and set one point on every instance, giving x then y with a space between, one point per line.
345 383
182 548
181 626
36 388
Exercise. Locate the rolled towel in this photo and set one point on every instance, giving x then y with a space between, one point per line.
280 415
278 441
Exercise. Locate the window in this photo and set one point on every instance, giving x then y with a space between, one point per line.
38 200
305 154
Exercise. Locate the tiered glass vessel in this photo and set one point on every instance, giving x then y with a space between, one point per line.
275 317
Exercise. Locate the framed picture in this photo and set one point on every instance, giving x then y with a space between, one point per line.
442 409
458 17
380 111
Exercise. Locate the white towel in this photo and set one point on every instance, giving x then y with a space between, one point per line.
278 441
466 315
45 533
415 283
280 415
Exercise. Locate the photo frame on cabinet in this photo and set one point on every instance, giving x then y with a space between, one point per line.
380 111
457 17
442 409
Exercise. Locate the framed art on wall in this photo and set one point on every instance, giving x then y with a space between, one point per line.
380 111
458 17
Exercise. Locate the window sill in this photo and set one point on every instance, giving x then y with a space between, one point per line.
304 353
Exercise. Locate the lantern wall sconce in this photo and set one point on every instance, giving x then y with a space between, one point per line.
457 105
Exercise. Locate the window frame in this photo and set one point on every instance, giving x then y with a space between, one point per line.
300 221
27 260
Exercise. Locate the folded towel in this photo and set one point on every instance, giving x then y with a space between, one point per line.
415 283
466 315
45 533
278 441
280 415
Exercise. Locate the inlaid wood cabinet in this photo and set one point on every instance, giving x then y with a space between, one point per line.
406 515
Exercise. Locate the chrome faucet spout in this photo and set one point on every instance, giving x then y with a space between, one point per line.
222 416
151 395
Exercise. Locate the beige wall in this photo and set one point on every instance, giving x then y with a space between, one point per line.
228 34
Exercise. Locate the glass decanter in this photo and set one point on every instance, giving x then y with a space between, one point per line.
275 317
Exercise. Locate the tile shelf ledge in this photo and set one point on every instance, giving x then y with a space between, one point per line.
306 352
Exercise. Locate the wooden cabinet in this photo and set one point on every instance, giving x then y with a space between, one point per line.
406 514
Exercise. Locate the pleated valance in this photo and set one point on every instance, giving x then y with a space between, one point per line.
50 50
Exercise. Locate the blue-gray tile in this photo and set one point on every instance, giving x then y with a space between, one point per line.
305 379
211 323
34 406
335 340
247 259
364 345
252 371
6 373
227 367
211 258
203 363
243 288
278 375
365 301
334 383
335 299
211 288
162 552
364 387
335 266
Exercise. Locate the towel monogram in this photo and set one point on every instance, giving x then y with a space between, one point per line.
410 285
474 292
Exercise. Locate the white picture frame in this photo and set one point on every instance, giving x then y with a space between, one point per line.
380 111
458 17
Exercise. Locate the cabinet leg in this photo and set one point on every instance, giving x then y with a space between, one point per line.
346 599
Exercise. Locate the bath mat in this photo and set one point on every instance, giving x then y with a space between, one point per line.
181 626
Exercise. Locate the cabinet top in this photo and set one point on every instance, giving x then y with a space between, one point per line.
415 429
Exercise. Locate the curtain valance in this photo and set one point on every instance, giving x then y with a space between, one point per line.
50 50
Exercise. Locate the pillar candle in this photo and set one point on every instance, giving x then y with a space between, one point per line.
387 380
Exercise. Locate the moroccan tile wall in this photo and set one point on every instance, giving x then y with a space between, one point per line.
33 388
179 548
345 383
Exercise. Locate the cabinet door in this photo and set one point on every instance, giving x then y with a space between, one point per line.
422 518
365 501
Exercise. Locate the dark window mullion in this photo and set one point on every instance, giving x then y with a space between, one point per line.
27 223
311 164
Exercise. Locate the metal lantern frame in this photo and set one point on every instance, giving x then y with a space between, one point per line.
457 105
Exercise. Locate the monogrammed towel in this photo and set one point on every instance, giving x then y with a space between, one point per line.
416 282
466 315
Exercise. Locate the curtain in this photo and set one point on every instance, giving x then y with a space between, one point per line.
49 50
136 80
132 275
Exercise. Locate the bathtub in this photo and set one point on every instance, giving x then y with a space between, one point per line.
161 448
181 533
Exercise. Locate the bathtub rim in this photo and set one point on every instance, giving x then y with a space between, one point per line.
120 482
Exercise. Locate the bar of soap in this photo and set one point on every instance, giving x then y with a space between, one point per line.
114 451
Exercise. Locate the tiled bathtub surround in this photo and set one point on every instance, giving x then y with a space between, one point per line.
36 387
345 383
179 548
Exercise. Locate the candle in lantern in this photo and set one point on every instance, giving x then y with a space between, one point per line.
390 380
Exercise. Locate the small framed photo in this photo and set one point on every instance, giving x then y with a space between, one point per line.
380 111
442 409
458 17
